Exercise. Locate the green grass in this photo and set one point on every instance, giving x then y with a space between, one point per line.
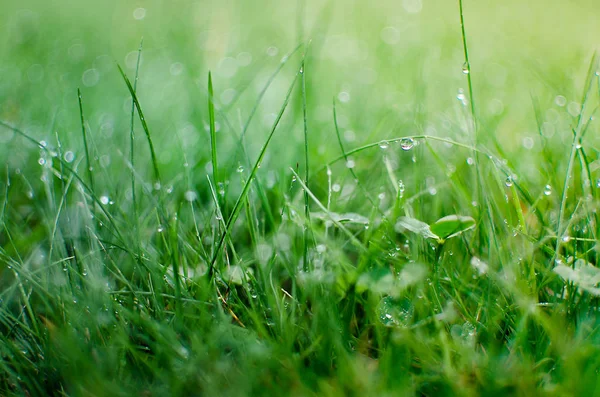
296 198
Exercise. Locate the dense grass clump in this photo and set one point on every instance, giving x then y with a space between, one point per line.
393 207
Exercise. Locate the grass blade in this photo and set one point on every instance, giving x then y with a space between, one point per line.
85 143
238 204
144 124
306 168
213 132
132 144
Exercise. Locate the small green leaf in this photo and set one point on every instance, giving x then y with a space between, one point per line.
452 225
415 226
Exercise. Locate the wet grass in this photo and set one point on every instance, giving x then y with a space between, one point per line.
170 230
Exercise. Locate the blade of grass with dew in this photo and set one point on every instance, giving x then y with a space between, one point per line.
306 166
79 179
573 152
144 124
220 217
238 204
241 145
132 148
467 65
333 218
213 134
345 156
90 169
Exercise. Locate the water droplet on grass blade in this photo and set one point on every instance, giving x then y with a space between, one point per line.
401 188
344 96
139 13
272 51
384 144
466 68
407 143
560 100
548 190
190 195
509 181
104 200
394 312
69 156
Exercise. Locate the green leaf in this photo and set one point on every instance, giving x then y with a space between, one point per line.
415 226
452 225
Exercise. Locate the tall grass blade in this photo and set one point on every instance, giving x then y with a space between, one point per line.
90 169
144 124
213 132
238 204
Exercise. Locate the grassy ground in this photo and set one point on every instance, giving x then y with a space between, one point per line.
346 204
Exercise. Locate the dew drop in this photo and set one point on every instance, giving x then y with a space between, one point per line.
384 144
104 200
69 156
139 13
407 143
509 181
350 164
560 100
547 190
190 195
401 188
344 96
466 68
240 169
272 51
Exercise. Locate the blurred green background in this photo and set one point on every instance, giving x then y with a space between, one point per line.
396 64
